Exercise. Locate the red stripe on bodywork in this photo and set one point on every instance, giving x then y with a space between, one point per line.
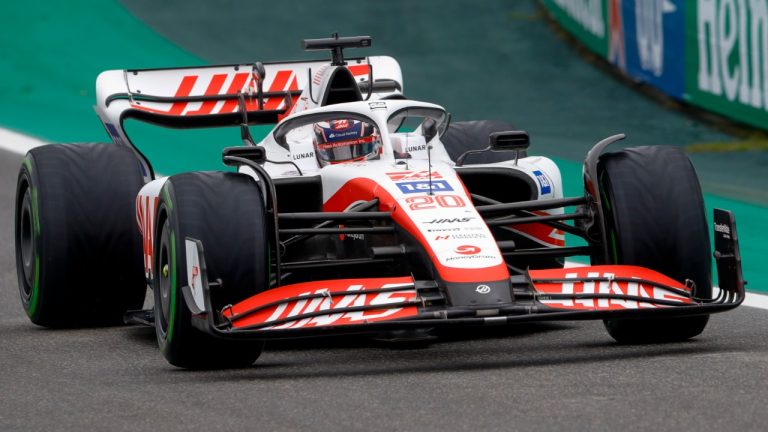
278 84
337 294
238 82
542 232
366 189
147 236
567 281
217 81
358 70
294 99
140 221
185 88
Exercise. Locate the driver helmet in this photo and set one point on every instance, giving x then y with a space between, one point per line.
345 140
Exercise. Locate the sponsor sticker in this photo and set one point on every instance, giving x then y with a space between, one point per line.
469 236
483 289
307 155
415 148
618 281
345 142
412 175
377 105
443 229
449 221
471 257
722 228
467 250
193 273
329 304
112 130
340 124
546 187
475 236
423 186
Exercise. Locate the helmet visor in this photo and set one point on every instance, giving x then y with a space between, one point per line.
345 140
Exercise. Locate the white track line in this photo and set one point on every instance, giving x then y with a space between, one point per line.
20 144
17 143
759 301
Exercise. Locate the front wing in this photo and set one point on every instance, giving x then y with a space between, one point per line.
383 304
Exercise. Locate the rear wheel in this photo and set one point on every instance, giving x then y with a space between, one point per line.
655 218
225 212
78 249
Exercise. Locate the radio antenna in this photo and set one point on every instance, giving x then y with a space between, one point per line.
429 167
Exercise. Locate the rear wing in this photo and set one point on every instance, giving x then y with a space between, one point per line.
209 96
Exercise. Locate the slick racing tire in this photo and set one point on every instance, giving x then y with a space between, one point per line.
225 212
474 135
655 218
78 248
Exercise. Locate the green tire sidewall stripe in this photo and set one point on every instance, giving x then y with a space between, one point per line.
611 231
172 313
172 319
167 201
33 303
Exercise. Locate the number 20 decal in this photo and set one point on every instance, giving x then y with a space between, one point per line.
426 202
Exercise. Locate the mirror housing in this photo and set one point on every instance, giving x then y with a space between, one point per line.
429 129
255 154
509 140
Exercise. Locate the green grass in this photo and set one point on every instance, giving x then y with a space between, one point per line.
755 141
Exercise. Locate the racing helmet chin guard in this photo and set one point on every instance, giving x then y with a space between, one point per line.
345 140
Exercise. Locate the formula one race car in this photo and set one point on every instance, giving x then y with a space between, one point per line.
361 212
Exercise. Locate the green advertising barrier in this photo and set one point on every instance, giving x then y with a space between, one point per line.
727 58
585 19
712 54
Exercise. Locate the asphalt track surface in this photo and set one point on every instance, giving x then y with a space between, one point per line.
564 376
549 377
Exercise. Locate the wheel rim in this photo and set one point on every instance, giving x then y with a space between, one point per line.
163 271
26 248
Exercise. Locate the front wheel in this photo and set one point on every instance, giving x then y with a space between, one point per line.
655 218
225 212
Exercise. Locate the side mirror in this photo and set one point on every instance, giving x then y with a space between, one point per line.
429 129
230 155
509 140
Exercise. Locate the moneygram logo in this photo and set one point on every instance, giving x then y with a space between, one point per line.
467 250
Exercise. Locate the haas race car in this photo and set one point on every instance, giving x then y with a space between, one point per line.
361 211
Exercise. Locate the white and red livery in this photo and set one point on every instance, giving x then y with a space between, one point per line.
420 235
